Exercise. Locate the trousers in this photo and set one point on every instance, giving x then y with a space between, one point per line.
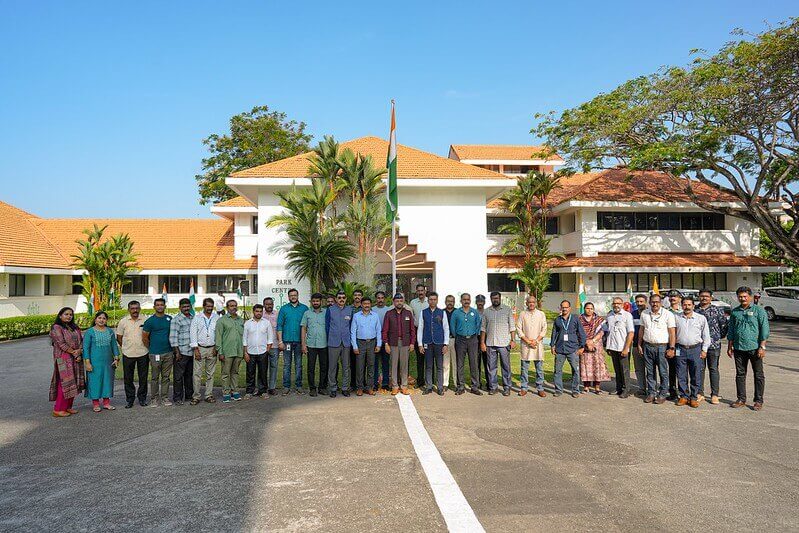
640 368
712 364
292 354
399 366
204 369
501 354
161 368
365 363
382 368
656 367
689 370
256 370
230 374
621 368
434 357
129 366
314 355
450 363
183 378
468 347
743 358
574 362
539 375
336 354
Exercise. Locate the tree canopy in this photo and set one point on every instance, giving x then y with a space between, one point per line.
730 120
256 137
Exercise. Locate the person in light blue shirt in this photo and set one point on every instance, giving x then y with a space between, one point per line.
289 339
366 335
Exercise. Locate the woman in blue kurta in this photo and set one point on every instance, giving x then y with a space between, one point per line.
101 356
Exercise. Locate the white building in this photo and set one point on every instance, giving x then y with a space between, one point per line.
611 227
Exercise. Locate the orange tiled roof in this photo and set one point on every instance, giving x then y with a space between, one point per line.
499 152
643 260
236 201
162 244
411 163
22 244
619 185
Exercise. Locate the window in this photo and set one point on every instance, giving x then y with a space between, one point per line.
16 284
504 283
176 284
46 285
495 168
254 224
619 220
642 282
137 285
215 284
494 223
76 288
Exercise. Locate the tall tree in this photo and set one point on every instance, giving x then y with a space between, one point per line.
729 120
105 264
256 137
360 182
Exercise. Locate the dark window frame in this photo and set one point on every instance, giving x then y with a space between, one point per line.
16 285
176 284
137 281
659 221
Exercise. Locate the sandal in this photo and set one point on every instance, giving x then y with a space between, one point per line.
109 408
96 409
72 411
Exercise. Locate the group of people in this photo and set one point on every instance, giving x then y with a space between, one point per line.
370 343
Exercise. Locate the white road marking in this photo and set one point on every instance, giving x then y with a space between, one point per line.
457 512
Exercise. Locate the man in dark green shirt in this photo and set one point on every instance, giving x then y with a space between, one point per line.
747 333
155 335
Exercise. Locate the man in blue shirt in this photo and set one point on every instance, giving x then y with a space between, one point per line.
466 323
289 320
337 323
568 339
366 336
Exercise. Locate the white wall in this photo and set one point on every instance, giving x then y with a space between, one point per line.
715 241
449 225
245 241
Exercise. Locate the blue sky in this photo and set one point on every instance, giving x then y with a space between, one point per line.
103 105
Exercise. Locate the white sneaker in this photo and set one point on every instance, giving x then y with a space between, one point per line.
154 402
167 403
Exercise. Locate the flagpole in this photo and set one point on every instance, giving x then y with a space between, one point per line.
393 259
391 196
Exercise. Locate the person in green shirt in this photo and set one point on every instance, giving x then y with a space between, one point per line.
314 344
230 346
747 332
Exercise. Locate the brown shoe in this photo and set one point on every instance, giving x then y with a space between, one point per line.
737 404
542 394
714 400
59 414
694 403
72 411
522 393
681 402
394 391
700 397
359 392
660 400
405 391
758 406
370 392
649 399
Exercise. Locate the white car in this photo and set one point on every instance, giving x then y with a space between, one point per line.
695 294
780 302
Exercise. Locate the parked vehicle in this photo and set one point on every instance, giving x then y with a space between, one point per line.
780 302
695 294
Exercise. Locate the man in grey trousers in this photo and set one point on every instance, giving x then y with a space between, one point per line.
338 319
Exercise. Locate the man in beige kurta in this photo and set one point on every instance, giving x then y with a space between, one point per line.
531 327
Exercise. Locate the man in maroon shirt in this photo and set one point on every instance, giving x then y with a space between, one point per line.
399 336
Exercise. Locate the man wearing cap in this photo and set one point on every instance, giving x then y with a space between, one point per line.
466 323
337 324
399 335
497 334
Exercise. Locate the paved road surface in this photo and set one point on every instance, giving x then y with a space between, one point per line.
300 463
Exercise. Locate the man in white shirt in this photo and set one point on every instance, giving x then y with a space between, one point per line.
258 340
418 304
202 339
621 330
693 340
656 340
219 303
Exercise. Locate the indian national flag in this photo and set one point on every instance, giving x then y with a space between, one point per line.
192 298
164 295
655 288
391 165
630 305
581 297
94 305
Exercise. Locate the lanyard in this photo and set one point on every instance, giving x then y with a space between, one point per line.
566 323
207 322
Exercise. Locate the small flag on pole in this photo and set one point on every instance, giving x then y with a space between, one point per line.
630 305
581 297
655 288
192 298
164 295
94 305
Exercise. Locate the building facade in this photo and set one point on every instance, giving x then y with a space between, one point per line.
613 228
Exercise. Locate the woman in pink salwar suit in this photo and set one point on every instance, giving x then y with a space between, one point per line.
69 377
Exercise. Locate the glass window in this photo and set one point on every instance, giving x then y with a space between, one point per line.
502 283
493 224
46 285
137 285
691 221
552 226
77 289
554 283
176 284
254 224
614 220
16 284
606 283
223 283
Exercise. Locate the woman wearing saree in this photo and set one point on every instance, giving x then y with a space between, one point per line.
68 374
593 370
100 356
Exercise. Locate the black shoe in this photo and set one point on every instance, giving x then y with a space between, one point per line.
323 392
458 392
128 405
272 392
557 393
624 394
312 392
492 392
506 392
441 392
345 393
143 403
476 392
427 391
332 394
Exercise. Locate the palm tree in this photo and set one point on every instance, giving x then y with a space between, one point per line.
105 264
324 164
362 183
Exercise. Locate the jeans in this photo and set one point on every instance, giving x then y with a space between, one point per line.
501 353
205 367
319 354
382 360
640 368
712 364
256 374
434 356
365 363
656 367
129 366
742 359
272 368
621 368
230 374
672 375
468 347
161 367
292 352
689 365
183 378
574 362
539 375
334 355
